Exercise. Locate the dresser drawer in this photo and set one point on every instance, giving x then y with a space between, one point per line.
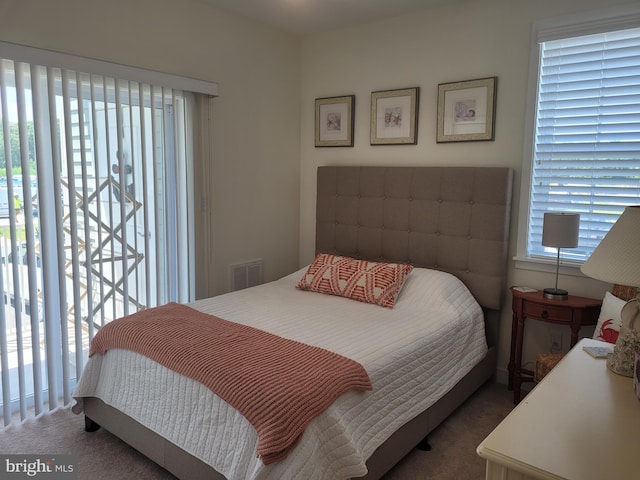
546 312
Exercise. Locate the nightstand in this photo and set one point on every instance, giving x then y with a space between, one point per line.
573 311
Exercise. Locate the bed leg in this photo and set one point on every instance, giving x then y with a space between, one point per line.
424 445
90 425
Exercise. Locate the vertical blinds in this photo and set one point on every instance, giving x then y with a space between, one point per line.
587 135
94 218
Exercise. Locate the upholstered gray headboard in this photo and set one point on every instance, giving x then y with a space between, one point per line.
454 219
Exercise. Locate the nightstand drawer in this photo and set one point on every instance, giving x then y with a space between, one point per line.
546 312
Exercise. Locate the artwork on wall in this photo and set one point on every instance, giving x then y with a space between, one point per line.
466 110
334 121
394 117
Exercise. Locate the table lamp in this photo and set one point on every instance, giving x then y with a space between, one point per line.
560 230
617 260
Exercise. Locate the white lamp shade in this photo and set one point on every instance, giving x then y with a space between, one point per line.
617 258
560 229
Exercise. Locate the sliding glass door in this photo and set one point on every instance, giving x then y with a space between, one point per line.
95 177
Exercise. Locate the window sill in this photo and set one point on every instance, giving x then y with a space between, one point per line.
567 267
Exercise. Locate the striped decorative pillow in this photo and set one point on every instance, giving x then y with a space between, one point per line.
372 282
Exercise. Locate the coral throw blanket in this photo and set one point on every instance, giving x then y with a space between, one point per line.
278 385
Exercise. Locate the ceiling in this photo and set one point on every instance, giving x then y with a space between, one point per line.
316 16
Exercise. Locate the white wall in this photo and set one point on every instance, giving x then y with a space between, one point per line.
263 161
254 207
463 40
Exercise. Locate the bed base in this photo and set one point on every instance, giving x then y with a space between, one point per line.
185 466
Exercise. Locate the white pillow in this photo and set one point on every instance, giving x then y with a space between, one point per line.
609 321
426 288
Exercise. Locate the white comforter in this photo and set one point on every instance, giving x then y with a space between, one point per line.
413 353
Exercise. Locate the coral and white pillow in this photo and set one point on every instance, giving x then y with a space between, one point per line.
372 282
609 321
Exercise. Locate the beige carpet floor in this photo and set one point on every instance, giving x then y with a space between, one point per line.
101 456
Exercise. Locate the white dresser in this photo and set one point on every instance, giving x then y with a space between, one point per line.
582 422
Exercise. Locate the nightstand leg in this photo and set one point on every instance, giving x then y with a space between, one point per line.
517 370
576 323
512 351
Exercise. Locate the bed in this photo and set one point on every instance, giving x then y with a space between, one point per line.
451 224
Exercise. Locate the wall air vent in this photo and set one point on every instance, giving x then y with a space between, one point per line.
245 275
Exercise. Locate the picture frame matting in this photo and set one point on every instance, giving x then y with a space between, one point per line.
394 116
466 110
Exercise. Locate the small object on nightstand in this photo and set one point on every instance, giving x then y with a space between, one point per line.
525 289
598 352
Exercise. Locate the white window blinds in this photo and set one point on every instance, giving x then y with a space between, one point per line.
586 156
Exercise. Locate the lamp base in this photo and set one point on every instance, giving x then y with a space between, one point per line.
555 294
622 360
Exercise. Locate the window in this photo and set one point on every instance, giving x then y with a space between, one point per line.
95 217
585 132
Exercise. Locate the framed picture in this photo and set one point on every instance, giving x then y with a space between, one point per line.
466 110
334 121
394 117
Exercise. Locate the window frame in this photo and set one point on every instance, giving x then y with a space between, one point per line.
574 25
